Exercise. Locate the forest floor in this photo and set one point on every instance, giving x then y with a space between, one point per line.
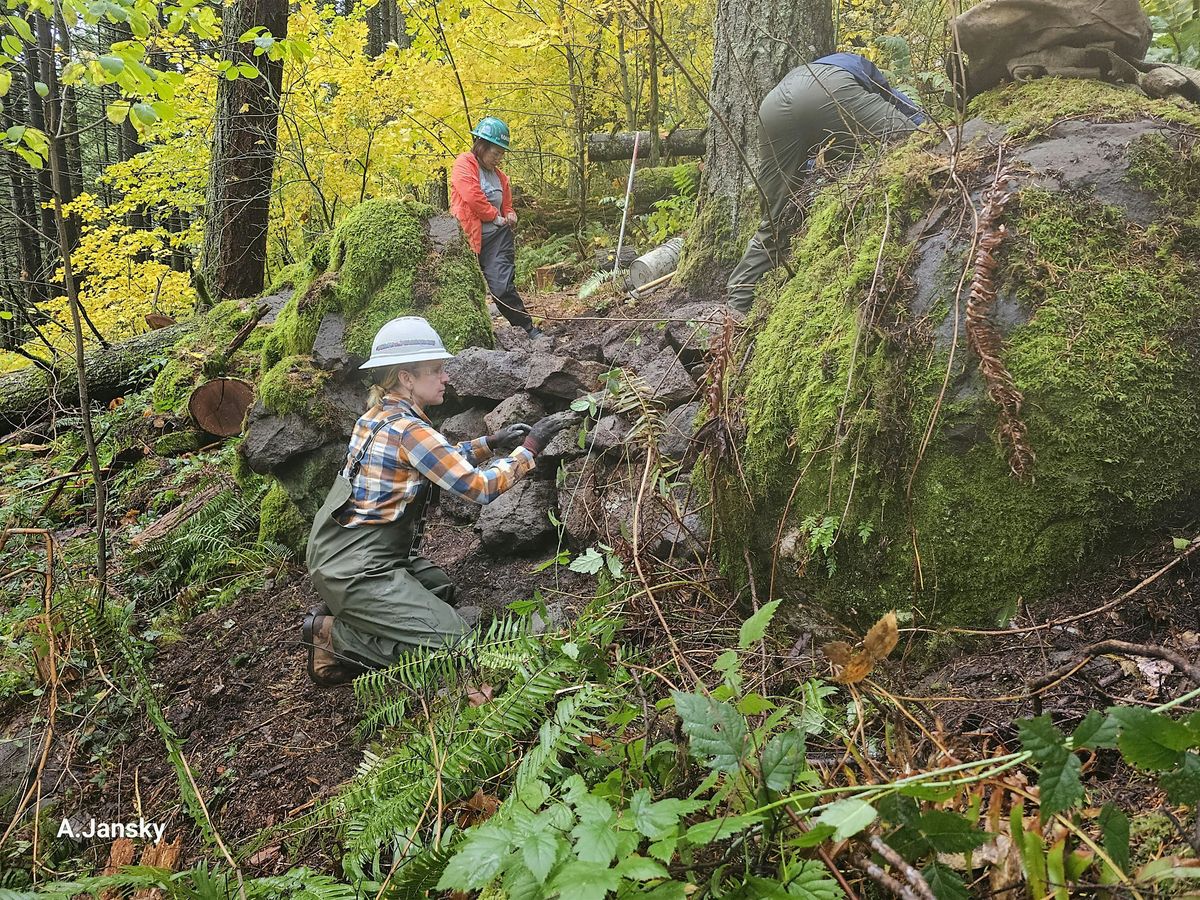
267 747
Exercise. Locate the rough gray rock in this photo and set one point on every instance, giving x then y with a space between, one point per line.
488 374
329 346
307 478
520 407
562 377
271 440
459 508
678 429
608 435
510 337
442 231
466 426
564 445
17 759
518 520
631 345
579 497
691 328
668 380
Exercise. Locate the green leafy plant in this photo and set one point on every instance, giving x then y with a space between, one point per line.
1176 28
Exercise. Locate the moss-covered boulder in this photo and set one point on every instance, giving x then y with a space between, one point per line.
875 473
388 258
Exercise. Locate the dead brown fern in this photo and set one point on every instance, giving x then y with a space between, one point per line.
982 334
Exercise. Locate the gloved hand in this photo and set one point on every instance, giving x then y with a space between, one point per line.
544 431
508 438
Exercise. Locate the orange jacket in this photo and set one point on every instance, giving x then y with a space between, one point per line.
469 203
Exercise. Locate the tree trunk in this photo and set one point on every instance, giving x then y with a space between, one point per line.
70 111
243 159
48 67
37 118
623 63
611 147
755 43
25 214
386 24
652 64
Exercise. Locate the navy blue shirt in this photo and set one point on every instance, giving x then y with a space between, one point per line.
866 74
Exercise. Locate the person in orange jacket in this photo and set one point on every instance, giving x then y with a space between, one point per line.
481 200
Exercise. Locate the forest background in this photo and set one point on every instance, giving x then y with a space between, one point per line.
373 99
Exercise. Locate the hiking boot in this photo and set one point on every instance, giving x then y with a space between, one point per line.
534 332
325 667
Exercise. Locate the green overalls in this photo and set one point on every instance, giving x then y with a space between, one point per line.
385 598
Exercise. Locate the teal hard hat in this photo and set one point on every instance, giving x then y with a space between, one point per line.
492 130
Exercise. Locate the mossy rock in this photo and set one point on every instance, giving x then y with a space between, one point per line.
201 355
388 258
177 443
280 520
289 507
872 475
295 386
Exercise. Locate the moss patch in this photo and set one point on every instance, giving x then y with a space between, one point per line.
1104 342
1032 107
280 520
178 443
713 247
293 385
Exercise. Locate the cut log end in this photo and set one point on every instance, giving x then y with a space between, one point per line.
219 406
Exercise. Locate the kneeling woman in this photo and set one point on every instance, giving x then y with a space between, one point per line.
363 547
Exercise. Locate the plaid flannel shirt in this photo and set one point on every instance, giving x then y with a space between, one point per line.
409 450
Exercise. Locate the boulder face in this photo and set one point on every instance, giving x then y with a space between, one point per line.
876 474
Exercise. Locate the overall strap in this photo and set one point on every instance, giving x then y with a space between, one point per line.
357 461
430 494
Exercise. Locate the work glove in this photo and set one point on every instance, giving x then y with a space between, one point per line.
507 438
544 431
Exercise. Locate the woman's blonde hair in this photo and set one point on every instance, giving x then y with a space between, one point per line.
391 380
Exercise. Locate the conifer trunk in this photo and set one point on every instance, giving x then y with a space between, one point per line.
755 43
243 159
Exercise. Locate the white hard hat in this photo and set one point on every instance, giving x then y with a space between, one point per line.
405 340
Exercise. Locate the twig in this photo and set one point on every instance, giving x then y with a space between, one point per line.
47 738
917 884
1058 623
65 476
876 873
245 331
1124 647
824 854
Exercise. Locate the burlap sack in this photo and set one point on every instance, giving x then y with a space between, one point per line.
1070 38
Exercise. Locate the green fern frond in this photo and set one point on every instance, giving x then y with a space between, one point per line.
575 716
417 879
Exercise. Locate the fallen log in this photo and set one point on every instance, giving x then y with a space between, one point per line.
27 394
610 147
